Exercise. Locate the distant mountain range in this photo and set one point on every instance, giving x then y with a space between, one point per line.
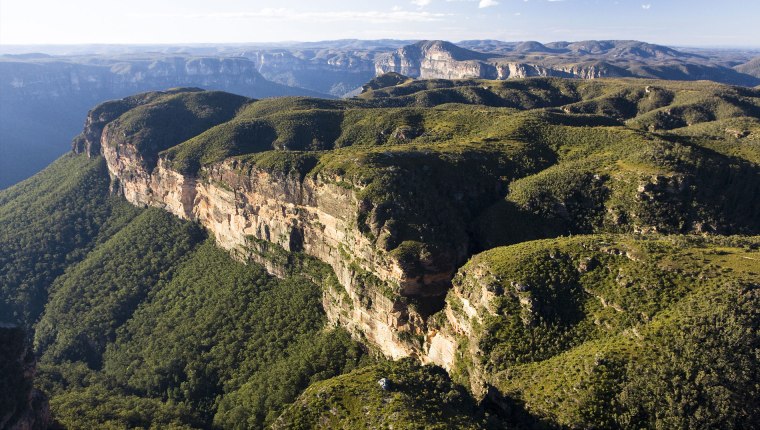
43 96
586 60
751 67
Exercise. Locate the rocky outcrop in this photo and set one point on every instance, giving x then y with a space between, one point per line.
594 71
534 294
254 212
443 60
582 60
469 303
452 69
433 59
22 407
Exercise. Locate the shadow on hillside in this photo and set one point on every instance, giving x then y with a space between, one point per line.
710 193
504 412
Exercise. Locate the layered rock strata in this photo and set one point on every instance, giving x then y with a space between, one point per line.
443 60
254 212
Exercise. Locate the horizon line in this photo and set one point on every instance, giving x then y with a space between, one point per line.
285 42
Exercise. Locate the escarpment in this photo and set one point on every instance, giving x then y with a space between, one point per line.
250 210
575 312
396 189
435 59
254 213
443 60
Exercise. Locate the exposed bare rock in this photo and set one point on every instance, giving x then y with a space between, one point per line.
584 60
250 210
433 59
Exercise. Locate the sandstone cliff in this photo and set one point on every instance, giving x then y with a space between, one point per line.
329 71
583 60
395 216
47 79
512 310
255 212
443 60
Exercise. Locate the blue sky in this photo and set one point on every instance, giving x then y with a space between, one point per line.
675 22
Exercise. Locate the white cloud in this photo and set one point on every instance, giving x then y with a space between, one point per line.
487 3
646 6
421 3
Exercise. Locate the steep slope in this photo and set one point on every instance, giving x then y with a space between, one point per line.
48 223
146 322
206 340
327 70
585 59
443 60
751 67
625 323
402 393
395 199
432 59
94 298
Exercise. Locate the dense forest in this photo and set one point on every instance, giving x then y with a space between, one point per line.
542 253
146 322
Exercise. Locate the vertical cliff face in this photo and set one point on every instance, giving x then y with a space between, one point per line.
48 80
443 60
394 222
454 343
22 407
435 60
254 212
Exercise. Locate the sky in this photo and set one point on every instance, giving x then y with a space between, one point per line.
673 22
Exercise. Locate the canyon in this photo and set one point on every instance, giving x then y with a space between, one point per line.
204 259
385 294
250 210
